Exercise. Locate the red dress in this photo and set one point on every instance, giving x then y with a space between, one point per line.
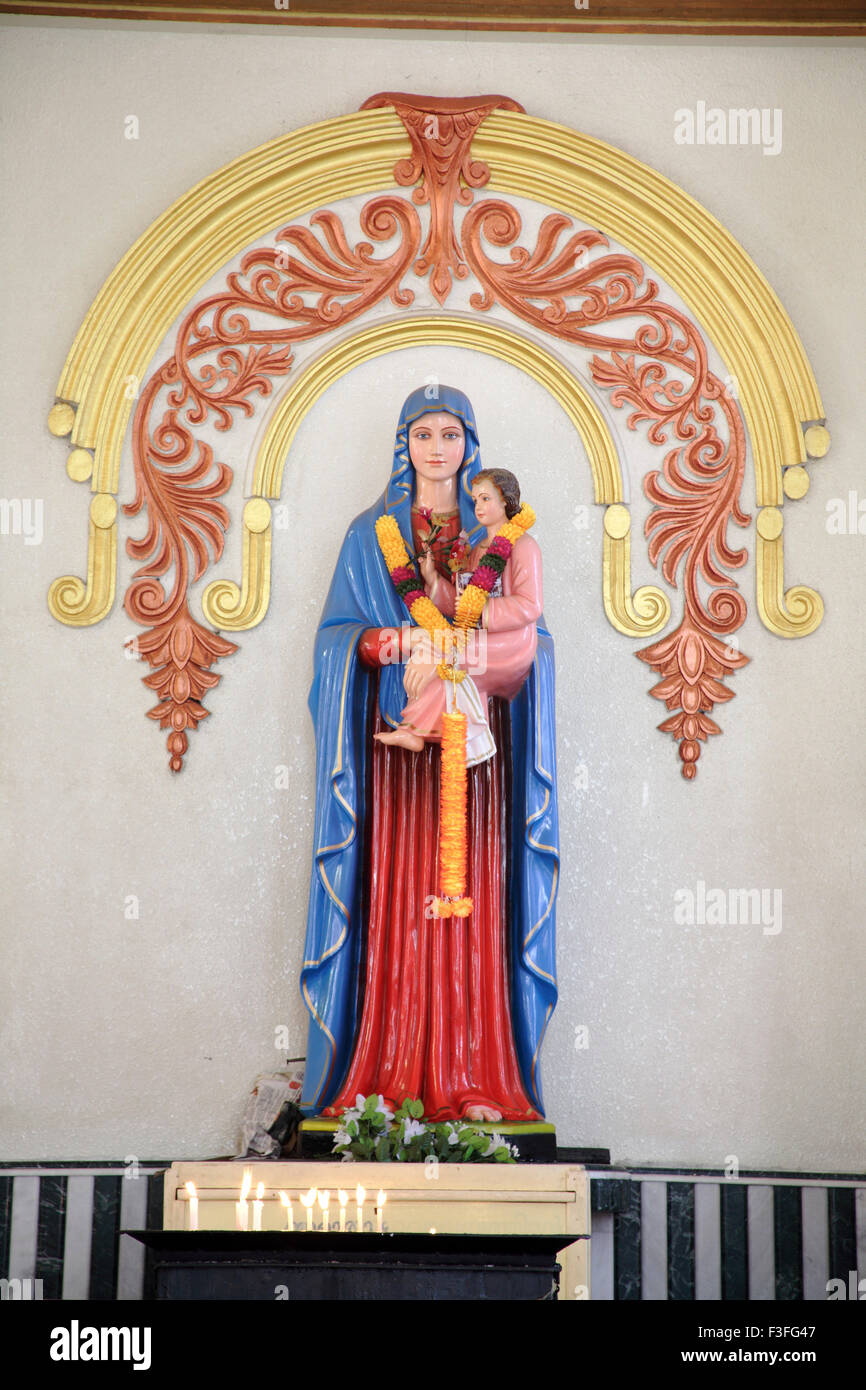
436 1014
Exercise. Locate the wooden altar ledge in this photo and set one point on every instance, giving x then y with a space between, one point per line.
424 1199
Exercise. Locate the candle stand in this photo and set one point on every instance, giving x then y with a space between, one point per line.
330 1265
371 1230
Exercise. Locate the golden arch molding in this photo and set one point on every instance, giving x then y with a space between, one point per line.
232 607
490 143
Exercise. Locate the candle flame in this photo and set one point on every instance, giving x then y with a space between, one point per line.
382 1198
260 1191
246 1184
342 1196
324 1199
360 1194
190 1187
308 1198
285 1200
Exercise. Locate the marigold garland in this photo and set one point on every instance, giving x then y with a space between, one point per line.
477 591
449 673
405 577
452 819
470 606
452 807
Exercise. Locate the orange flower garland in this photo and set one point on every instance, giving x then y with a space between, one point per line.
452 790
396 557
452 817
474 597
471 603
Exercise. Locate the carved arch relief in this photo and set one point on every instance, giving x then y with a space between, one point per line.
235 606
309 284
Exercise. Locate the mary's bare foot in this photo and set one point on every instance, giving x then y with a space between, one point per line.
403 738
482 1112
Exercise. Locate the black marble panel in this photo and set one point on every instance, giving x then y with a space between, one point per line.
609 1194
788 1241
734 1241
681 1240
155 1192
106 1233
50 1234
5 1224
626 1247
842 1233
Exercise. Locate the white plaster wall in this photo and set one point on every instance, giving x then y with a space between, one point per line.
141 1037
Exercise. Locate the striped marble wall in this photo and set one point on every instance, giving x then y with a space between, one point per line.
655 1235
699 1235
60 1223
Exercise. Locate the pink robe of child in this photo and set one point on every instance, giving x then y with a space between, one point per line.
503 655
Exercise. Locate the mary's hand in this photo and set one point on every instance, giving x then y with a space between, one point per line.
420 644
427 566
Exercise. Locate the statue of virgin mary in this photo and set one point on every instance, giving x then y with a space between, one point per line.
403 1003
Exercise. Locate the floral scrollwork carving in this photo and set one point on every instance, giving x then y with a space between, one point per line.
440 132
229 348
660 370
646 353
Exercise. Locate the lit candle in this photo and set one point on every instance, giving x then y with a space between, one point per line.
258 1204
193 1206
380 1203
360 1194
343 1199
324 1200
242 1211
290 1218
308 1200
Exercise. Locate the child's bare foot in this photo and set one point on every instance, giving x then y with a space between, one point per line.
482 1112
403 738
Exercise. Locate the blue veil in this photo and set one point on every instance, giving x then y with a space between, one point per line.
362 595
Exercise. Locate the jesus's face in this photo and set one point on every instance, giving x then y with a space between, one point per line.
436 443
489 506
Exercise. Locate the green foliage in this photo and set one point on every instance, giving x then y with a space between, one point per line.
371 1132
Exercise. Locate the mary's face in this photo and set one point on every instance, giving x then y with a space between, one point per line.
436 444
